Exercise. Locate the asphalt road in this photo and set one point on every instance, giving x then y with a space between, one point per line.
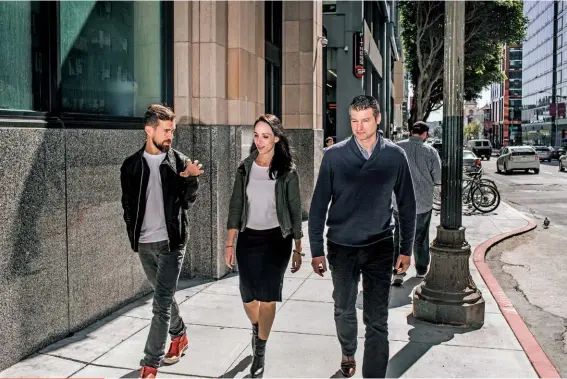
532 268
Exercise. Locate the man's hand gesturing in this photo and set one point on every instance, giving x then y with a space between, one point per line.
192 169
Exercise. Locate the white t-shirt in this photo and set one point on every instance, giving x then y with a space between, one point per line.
153 227
261 193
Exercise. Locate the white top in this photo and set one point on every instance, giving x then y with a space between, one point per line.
261 193
153 227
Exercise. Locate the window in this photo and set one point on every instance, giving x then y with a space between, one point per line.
23 67
97 58
111 56
273 54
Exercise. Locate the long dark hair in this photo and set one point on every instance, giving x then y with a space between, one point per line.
282 162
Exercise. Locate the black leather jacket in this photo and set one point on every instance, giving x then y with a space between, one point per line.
179 194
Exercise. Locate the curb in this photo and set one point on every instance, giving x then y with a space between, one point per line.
539 360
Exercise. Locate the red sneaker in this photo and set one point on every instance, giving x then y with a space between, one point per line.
178 346
148 372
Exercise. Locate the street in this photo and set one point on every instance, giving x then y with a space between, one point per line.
532 268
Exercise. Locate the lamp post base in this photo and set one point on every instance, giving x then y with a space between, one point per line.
448 294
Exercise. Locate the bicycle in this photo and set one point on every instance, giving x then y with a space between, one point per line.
477 192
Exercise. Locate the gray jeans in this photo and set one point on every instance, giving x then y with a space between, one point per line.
162 267
375 264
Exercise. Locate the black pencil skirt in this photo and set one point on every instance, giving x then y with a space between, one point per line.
262 257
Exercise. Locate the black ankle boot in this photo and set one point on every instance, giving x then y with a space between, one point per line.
254 336
258 362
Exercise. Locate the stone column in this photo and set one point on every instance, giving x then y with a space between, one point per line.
302 89
219 91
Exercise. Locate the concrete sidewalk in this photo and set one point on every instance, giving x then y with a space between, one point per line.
303 342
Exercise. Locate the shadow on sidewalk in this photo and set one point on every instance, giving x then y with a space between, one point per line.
143 301
240 367
133 374
399 295
421 339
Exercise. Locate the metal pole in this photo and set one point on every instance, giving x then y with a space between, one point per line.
554 74
448 294
453 94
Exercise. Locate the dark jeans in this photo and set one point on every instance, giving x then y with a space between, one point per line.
162 267
420 244
346 265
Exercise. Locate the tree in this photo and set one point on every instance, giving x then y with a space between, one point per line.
472 130
488 25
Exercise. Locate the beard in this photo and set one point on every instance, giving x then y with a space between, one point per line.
161 147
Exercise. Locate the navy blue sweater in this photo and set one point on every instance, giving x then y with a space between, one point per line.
360 192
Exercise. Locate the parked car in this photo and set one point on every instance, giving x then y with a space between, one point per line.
562 162
480 147
471 163
557 152
543 152
518 158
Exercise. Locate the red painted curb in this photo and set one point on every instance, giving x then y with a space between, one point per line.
539 360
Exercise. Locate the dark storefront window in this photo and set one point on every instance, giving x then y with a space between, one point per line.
73 59
23 59
273 57
110 56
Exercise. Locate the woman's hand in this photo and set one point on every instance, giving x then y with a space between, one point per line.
229 256
296 259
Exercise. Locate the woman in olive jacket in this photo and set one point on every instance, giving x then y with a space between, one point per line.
265 209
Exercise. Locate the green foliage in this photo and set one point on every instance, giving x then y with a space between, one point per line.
473 129
488 25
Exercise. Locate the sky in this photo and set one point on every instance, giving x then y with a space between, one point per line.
484 99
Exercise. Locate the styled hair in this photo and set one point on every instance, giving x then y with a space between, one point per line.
157 112
363 102
282 162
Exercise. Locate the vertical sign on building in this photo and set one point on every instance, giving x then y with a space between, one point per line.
358 55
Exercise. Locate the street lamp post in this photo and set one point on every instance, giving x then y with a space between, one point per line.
448 294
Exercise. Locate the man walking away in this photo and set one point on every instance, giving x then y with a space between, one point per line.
358 176
158 186
425 166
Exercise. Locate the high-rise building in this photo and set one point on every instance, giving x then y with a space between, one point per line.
504 126
544 59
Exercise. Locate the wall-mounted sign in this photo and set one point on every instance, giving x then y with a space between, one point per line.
358 54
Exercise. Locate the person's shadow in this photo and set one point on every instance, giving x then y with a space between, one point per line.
240 367
422 337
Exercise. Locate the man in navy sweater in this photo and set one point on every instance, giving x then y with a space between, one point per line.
358 176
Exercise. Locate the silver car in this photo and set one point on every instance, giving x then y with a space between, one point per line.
471 163
518 158
543 152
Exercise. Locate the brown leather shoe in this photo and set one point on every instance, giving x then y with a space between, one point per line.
348 367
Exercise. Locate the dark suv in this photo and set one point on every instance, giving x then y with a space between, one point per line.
480 147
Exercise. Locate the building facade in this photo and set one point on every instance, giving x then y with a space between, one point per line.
75 79
363 48
544 84
504 127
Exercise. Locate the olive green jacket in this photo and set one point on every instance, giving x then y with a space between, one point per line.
288 200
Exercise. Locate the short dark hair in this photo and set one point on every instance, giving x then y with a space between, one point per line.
329 139
157 112
419 127
363 102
